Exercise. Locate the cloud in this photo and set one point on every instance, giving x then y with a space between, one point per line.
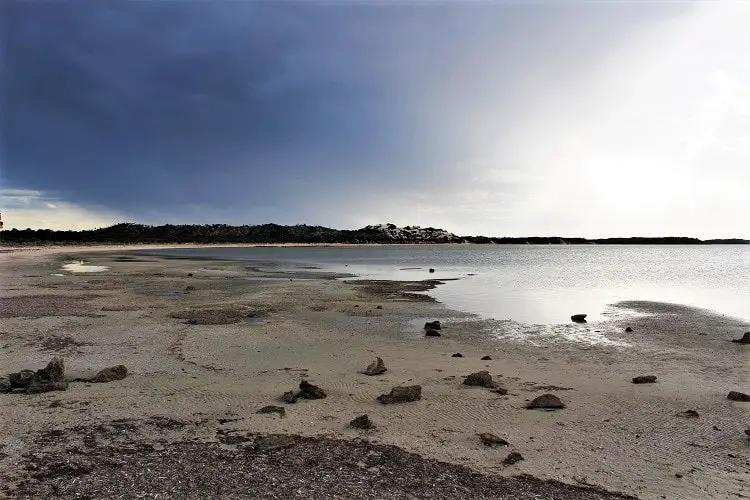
23 209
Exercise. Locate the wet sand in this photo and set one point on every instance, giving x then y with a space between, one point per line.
198 386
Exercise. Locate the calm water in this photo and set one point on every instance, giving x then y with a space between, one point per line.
533 284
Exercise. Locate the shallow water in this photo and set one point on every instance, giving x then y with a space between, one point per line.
534 284
80 267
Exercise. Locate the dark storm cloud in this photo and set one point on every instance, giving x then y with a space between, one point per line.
149 106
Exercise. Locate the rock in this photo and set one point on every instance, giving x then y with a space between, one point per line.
190 288
747 432
486 358
310 391
578 318
54 371
678 475
192 321
190 274
274 442
512 458
546 401
5 385
431 333
362 422
457 355
689 414
432 270
738 396
744 340
21 380
39 385
378 307
273 409
401 394
110 374
375 368
491 440
434 325
480 379
289 397
644 379
500 390
628 329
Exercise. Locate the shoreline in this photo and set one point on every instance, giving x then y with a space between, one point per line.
612 433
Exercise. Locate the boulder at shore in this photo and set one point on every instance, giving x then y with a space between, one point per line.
546 402
402 394
22 379
432 325
578 318
644 379
480 379
376 367
110 374
738 396
54 371
744 340
362 422
39 385
310 391
431 333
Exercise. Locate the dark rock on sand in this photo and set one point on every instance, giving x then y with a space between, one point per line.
492 441
21 380
39 385
401 394
738 396
500 390
376 367
273 409
628 329
512 458
644 379
190 288
310 391
480 379
110 374
190 274
431 333
289 397
432 270
578 318
689 414
744 340
362 422
486 358
5 385
747 432
378 307
432 325
192 322
54 371
547 402
274 442
457 355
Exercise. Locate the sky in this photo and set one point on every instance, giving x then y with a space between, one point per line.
592 119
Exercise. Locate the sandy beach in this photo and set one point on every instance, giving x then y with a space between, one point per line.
209 343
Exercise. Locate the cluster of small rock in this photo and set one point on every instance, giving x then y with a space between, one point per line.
52 378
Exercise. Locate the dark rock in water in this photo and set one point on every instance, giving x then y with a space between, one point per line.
486 358
480 379
689 414
579 318
54 371
512 458
376 367
362 422
628 329
500 390
310 391
738 396
431 333
744 340
273 409
432 270
457 355
434 325
39 385
5 385
644 379
401 394
111 374
546 401
22 379
491 440
289 397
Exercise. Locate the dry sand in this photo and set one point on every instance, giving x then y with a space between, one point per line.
193 390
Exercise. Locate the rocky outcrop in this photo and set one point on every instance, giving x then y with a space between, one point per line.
546 402
110 374
431 333
578 318
644 379
401 394
22 379
54 371
432 325
362 422
310 391
39 385
738 396
491 440
375 368
744 340
289 397
5 385
480 379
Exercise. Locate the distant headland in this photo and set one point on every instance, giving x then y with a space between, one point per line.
128 233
